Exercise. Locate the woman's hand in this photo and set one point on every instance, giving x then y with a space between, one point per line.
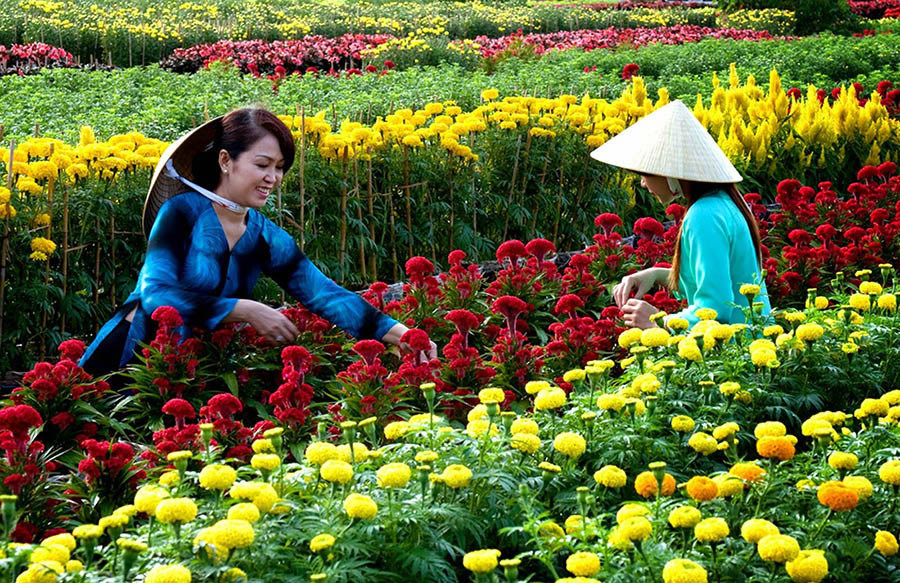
269 322
636 314
394 335
640 282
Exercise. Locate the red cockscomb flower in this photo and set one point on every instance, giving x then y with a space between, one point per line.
568 304
224 405
608 222
630 70
369 350
540 248
512 250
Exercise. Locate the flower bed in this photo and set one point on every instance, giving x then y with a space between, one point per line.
873 8
547 431
30 58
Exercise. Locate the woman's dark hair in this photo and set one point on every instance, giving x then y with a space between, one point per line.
239 130
693 191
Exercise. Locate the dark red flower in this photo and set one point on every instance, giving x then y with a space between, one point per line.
167 316
62 420
540 248
456 257
464 320
417 339
825 232
630 70
512 249
887 169
800 237
608 222
417 268
18 419
648 227
369 350
224 405
71 349
568 304
676 211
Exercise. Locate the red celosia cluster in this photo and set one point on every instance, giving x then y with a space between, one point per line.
173 361
874 9
294 395
31 58
820 233
610 38
104 460
658 5
277 59
362 383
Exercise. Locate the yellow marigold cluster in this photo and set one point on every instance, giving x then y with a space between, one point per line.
570 444
684 571
217 477
482 561
176 510
394 475
360 506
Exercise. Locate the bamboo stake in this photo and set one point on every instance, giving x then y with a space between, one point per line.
408 198
558 206
4 247
65 252
512 186
112 242
373 257
452 208
343 239
359 217
51 187
302 176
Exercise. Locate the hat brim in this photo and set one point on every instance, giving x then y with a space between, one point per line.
182 152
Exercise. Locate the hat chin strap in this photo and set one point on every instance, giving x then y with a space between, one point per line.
230 205
675 186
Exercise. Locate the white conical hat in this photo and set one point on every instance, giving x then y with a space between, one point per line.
669 142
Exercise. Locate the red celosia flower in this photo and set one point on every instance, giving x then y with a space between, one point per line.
825 232
62 420
18 419
884 87
509 307
167 316
389 65
71 349
224 405
568 304
887 169
369 350
417 268
512 249
417 339
630 70
648 227
456 257
297 358
540 248
608 222
854 234
800 237
676 211
794 93
867 173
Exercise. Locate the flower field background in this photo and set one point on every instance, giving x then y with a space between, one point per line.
548 442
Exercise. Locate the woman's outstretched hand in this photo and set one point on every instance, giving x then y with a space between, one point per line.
639 283
268 321
636 314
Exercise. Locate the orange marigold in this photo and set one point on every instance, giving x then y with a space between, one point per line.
702 489
838 496
780 447
646 484
747 471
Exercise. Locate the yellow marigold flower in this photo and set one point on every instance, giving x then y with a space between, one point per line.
360 452
552 398
764 357
233 534
677 324
319 452
74 566
244 511
809 332
726 430
610 476
321 542
49 552
611 402
479 427
887 302
456 476
360 506
64 539
265 461
886 543
40 220
491 395
525 442
860 302
127 544
870 287
570 444
711 529
168 574
780 448
850 347
635 528
689 350
810 566
729 388
217 477
778 548
646 484
535 387
172 510
630 511
653 337
148 497
878 407
769 429
396 429
747 471
548 467
702 489
859 484
703 443
235 575
682 423
706 314
756 529
263 446
395 475
482 561
629 337
685 517
524 425
169 478
841 460
684 571
728 484
336 471
490 94
583 564
574 375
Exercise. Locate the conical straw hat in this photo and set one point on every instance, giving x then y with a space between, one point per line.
181 152
669 142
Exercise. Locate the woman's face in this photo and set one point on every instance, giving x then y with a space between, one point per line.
249 179
659 187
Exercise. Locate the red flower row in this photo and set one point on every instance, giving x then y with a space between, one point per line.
24 59
874 8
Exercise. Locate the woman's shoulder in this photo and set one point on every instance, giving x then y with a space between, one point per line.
190 201
714 204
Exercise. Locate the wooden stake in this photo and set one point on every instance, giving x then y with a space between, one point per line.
302 175
406 187
512 187
452 167
373 257
343 237
65 252
4 246
359 217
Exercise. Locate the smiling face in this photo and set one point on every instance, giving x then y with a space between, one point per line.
249 179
